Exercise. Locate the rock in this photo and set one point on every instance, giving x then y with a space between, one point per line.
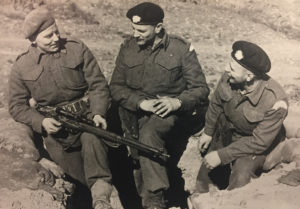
285 152
291 124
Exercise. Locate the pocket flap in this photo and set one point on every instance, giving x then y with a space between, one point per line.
252 115
32 74
168 61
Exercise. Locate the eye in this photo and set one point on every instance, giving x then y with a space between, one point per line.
49 35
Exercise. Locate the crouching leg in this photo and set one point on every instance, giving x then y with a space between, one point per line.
96 168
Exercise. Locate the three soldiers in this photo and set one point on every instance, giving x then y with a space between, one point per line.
157 81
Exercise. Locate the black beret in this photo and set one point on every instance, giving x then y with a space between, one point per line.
146 13
251 57
37 21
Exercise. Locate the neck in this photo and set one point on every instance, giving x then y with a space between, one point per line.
250 86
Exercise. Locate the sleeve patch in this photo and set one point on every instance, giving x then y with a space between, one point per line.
280 104
191 48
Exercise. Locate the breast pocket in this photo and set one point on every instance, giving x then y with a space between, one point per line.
169 69
134 76
72 74
252 115
38 82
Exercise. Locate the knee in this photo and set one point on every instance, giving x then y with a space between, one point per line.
90 141
155 129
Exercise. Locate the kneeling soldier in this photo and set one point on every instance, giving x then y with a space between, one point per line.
244 120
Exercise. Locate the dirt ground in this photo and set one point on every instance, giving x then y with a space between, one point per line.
211 26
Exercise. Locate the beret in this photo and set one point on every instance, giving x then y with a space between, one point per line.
146 13
37 21
251 57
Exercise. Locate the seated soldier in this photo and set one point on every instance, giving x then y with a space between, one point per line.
57 71
157 80
244 120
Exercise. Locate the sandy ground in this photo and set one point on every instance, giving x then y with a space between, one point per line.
212 27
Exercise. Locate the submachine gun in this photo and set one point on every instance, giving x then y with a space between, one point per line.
79 123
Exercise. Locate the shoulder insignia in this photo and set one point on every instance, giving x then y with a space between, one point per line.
280 104
191 48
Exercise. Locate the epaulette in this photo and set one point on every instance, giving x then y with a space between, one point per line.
179 39
22 54
72 39
276 88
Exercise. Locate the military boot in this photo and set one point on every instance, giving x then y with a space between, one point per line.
154 200
101 191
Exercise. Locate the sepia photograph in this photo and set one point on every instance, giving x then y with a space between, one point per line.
149 104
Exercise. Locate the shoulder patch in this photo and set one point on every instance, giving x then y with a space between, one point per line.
280 104
191 48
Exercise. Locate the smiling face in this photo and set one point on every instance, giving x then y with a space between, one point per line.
237 73
48 40
145 34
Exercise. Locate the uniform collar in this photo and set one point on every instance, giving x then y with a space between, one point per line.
37 54
256 94
164 43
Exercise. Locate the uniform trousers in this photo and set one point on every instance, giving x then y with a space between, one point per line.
153 131
86 163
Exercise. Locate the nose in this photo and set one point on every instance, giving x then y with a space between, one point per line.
55 37
228 70
135 34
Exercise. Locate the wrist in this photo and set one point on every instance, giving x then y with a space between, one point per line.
179 101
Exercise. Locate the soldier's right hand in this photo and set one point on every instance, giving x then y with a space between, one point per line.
148 105
204 142
51 125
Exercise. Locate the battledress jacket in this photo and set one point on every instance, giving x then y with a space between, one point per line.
55 78
256 118
170 69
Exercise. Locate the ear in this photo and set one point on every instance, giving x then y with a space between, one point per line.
158 28
250 76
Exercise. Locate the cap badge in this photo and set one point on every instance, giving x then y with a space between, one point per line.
136 19
239 55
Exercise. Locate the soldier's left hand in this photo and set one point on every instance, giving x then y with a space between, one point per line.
212 160
165 105
100 121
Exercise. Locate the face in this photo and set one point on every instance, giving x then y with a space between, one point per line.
48 40
237 73
144 33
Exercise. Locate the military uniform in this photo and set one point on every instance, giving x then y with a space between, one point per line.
58 78
169 69
254 121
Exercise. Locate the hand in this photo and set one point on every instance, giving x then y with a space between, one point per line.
165 105
204 142
51 125
32 103
212 160
148 105
53 167
100 121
